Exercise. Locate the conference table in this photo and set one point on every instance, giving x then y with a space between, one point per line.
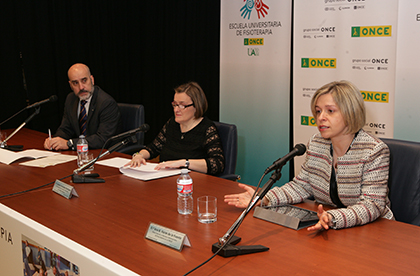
112 219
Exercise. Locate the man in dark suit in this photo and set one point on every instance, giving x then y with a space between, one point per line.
89 111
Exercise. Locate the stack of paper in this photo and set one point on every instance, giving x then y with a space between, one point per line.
8 157
50 161
144 172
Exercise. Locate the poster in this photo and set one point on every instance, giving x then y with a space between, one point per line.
345 40
255 81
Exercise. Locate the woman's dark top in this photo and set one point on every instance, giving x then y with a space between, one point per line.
201 142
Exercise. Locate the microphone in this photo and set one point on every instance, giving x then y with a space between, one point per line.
143 128
53 98
298 150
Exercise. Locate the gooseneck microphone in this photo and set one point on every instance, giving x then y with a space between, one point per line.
53 98
226 245
3 144
143 128
128 138
298 150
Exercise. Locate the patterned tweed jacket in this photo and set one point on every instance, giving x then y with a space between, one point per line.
362 177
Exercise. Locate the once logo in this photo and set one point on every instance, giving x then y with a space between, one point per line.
376 125
371 31
379 97
318 63
253 41
307 121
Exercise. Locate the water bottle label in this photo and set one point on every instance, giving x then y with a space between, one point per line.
184 181
185 189
82 148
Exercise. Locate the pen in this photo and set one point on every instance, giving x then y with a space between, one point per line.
49 134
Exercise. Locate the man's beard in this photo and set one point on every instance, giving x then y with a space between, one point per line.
84 97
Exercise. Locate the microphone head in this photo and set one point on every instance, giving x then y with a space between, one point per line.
53 98
301 149
145 127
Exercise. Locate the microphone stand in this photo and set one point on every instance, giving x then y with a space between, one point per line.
11 117
226 245
18 147
91 178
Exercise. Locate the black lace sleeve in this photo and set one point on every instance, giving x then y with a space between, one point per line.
202 142
215 157
158 143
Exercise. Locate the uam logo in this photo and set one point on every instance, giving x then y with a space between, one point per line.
258 5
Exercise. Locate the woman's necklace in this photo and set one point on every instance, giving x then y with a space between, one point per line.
193 124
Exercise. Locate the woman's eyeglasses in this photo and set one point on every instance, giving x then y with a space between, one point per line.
181 106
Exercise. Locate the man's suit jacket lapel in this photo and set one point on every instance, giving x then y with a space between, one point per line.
75 119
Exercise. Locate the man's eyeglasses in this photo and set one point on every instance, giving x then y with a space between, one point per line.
181 106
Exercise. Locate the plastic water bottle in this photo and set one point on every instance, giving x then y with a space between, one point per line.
185 191
82 150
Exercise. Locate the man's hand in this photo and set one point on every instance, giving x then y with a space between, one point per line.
56 143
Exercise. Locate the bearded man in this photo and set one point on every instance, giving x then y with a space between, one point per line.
88 111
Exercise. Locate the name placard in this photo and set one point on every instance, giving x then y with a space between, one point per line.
64 189
167 236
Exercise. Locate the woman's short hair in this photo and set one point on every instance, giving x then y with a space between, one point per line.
348 99
196 93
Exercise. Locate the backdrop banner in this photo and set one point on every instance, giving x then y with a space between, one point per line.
345 40
255 81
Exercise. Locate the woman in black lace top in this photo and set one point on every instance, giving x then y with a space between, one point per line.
188 139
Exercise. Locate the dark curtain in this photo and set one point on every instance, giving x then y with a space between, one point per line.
138 51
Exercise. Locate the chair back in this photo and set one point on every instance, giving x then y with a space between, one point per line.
132 116
404 180
229 136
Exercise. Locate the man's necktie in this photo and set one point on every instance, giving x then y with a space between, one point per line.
82 118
